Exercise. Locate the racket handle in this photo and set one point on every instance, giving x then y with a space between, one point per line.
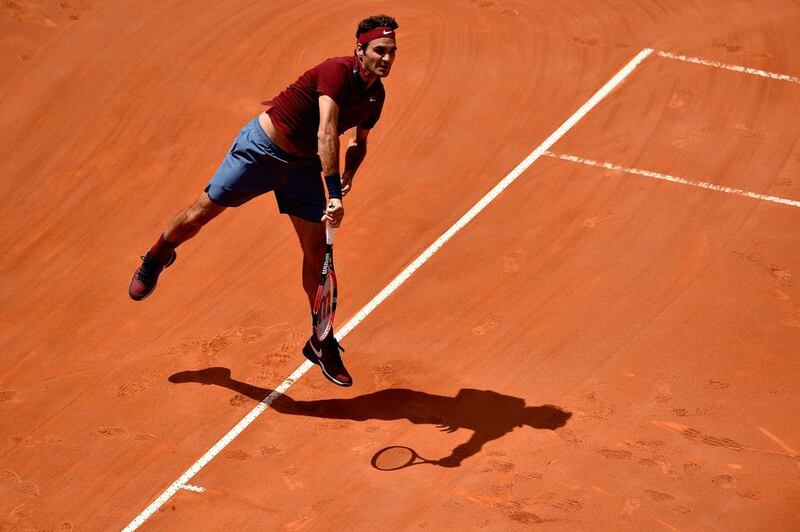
329 232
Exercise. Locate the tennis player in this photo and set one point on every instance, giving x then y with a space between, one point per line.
287 149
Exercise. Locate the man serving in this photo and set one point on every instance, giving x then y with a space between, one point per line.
286 150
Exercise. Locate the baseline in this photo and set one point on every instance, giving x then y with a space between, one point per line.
724 66
673 179
184 479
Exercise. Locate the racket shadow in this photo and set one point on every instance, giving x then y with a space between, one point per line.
397 457
488 414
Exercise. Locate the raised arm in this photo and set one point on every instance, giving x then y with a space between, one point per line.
356 151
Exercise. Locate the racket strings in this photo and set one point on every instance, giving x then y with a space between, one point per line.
393 458
325 306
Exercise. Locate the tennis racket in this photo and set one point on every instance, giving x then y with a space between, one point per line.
325 301
398 457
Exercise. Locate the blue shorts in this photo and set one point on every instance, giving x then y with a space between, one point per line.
255 165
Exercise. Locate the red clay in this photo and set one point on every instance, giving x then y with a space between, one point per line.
664 319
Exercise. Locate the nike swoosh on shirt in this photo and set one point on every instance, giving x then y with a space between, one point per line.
373 99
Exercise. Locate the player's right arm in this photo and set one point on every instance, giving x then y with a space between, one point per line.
327 135
328 151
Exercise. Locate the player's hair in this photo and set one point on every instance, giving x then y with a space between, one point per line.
376 21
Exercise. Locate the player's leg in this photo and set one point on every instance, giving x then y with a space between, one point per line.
327 353
312 241
245 172
183 226
188 222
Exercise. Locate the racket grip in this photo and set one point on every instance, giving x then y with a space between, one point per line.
329 232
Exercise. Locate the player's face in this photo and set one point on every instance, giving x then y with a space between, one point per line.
379 56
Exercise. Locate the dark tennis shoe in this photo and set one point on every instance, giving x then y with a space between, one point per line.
146 276
326 355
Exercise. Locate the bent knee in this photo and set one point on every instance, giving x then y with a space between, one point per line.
199 215
314 251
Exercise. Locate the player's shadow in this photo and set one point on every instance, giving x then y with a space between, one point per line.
490 415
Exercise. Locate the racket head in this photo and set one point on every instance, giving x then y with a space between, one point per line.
325 305
394 457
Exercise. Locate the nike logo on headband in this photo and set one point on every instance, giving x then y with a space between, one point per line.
376 33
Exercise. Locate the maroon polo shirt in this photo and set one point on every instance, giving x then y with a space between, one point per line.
295 111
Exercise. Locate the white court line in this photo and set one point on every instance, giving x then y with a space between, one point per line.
392 286
192 487
673 179
734 68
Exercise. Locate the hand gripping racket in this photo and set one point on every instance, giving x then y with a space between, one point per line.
325 300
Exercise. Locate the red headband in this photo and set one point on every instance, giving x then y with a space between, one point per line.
376 33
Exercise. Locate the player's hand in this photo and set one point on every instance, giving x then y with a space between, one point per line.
334 213
347 184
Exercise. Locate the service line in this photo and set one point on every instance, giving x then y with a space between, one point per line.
195 468
734 68
673 179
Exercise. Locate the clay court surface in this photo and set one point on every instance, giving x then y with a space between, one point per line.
598 349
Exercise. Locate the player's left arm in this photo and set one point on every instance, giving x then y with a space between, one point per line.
356 151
